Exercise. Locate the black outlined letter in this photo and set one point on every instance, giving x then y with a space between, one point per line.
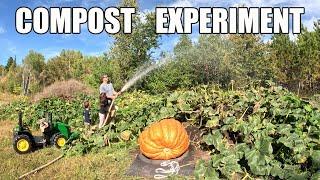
296 19
233 20
95 20
127 19
161 20
281 20
113 25
40 20
60 20
205 20
265 20
219 21
190 17
79 16
175 15
22 14
248 20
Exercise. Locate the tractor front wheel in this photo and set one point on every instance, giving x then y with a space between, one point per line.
22 144
58 140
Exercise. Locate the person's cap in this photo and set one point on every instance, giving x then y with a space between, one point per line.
105 76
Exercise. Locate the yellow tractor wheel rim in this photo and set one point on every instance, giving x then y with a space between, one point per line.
61 141
23 145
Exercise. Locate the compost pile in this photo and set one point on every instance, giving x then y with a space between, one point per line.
260 131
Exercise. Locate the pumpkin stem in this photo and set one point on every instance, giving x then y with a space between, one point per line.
166 150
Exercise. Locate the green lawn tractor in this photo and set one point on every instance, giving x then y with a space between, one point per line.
54 133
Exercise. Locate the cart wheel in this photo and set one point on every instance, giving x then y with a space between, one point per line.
58 140
22 144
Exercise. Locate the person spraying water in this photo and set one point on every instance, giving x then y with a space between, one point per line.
107 96
111 95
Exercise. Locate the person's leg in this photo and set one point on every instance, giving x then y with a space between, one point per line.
102 118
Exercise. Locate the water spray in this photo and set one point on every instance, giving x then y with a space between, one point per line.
137 76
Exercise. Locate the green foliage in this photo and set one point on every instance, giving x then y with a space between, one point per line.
297 62
32 72
10 62
11 81
130 51
100 66
249 58
67 65
183 45
260 131
227 61
214 59
34 63
285 52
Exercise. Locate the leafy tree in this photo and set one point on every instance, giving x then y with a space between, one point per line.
12 81
133 50
98 66
208 59
308 45
285 53
69 64
33 66
176 73
250 58
2 70
183 45
10 62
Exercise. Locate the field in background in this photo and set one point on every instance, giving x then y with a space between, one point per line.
6 98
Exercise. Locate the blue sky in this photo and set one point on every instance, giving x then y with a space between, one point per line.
15 44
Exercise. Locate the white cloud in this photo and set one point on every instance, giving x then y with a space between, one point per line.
2 30
101 3
143 14
50 52
183 3
310 23
12 49
97 53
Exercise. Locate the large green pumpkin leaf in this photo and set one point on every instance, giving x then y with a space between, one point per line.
213 122
316 159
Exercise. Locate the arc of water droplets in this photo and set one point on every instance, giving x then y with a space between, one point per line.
143 72
162 173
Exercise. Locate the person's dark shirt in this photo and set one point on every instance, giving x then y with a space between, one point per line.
86 116
104 106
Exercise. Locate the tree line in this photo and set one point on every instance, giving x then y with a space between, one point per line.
228 61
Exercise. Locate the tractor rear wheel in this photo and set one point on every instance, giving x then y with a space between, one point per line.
58 140
22 144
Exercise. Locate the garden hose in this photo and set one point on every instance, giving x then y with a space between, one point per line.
43 166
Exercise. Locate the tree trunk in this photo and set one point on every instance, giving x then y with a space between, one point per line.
26 85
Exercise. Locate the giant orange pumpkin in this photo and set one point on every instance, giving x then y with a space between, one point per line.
166 139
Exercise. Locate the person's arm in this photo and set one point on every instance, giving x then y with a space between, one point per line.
111 97
115 93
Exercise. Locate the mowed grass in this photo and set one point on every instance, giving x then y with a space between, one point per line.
108 163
